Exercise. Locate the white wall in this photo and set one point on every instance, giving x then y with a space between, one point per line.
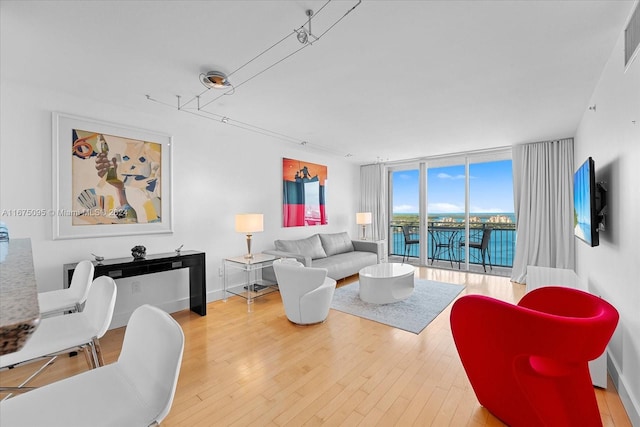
612 270
218 171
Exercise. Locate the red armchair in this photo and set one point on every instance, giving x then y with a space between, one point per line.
528 363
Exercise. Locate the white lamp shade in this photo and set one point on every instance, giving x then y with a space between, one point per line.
363 218
249 223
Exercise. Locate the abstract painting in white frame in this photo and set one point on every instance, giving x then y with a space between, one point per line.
109 179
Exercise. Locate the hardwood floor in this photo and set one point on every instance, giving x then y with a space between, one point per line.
257 368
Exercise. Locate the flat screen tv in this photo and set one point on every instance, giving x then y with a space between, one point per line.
586 206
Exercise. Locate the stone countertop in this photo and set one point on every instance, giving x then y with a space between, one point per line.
19 310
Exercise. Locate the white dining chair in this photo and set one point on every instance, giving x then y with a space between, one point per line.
71 298
73 332
136 390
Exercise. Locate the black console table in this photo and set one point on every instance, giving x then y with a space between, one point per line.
128 267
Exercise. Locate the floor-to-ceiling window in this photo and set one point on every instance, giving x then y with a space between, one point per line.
492 212
404 183
446 190
449 204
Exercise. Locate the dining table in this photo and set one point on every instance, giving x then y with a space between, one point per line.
19 309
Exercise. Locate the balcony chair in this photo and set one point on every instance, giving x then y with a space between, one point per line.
482 246
137 390
306 292
528 363
408 241
71 298
72 332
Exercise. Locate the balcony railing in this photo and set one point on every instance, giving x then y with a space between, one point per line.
501 244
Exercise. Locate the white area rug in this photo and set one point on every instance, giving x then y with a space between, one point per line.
413 314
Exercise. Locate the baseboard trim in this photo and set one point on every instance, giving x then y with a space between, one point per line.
122 318
628 401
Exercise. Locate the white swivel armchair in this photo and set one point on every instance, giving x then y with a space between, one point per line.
137 390
306 291
71 298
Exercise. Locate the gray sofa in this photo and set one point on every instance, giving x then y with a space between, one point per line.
341 256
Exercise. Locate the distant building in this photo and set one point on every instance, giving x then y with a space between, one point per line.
474 219
500 219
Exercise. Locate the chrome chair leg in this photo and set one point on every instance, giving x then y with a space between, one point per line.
94 355
21 388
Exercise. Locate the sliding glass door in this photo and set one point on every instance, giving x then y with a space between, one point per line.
492 222
404 226
446 190
448 205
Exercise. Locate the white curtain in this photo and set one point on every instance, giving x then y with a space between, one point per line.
373 198
543 197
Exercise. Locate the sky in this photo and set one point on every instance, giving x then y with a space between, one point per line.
490 183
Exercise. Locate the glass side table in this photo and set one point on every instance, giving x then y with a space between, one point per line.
254 288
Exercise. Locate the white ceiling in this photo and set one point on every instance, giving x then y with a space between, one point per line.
392 80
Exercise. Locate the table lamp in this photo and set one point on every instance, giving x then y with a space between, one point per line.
363 218
249 223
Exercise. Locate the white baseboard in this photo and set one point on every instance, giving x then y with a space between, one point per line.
122 318
629 402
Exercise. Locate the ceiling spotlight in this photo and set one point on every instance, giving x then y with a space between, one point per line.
302 33
303 37
215 79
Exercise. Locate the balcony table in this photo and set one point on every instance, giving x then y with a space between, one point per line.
443 240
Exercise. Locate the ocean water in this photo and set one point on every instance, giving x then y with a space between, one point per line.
501 245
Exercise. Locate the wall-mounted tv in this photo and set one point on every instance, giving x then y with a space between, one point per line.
589 203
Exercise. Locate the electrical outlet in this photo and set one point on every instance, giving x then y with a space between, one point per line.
135 288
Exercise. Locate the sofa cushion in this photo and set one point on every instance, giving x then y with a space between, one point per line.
346 264
336 243
311 247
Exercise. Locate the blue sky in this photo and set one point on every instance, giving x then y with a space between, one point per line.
491 186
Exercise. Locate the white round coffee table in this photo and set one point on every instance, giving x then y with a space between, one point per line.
386 283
